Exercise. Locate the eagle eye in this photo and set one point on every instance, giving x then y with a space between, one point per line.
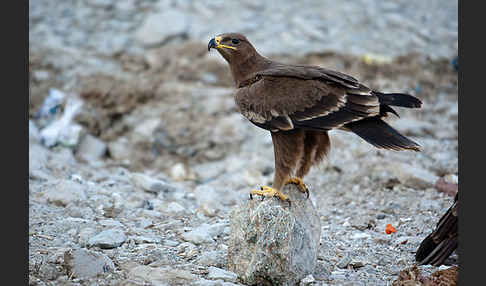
235 41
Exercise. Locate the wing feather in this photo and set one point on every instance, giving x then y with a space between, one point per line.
286 97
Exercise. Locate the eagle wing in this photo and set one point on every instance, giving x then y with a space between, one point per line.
284 97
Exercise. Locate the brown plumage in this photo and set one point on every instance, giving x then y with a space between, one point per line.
299 104
440 244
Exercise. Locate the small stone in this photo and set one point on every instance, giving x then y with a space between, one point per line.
356 264
178 172
83 263
64 192
360 235
272 242
161 276
307 280
414 177
218 273
175 208
155 31
109 238
380 216
151 185
344 262
84 235
212 258
198 236
91 149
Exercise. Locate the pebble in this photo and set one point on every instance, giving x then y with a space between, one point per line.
91 148
110 238
414 177
218 273
150 184
64 192
199 235
161 276
344 262
83 263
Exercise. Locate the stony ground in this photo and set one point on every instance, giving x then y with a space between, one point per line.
134 172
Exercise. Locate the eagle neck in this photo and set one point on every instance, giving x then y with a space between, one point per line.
243 69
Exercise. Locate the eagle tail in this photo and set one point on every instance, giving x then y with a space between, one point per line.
439 244
399 99
381 135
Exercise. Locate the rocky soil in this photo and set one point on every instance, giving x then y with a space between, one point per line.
137 155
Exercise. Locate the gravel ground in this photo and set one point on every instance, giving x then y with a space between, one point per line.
151 157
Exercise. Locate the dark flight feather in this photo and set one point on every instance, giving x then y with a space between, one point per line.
381 135
440 244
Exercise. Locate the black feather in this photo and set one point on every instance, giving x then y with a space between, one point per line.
398 99
381 135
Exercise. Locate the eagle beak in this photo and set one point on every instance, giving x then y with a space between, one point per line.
216 43
212 44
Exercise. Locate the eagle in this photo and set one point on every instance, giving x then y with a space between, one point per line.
299 104
442 241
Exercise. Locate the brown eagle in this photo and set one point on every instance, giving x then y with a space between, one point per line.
442 241
299 104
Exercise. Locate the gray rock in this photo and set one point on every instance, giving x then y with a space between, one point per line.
212 258
271 242
64 192
198 235
344 262
155 31
413 177
149 184
109 238
218 273
322 270
307 280
91 148
159 275
83 263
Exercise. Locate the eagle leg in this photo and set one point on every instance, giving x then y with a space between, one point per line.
267 192
299 182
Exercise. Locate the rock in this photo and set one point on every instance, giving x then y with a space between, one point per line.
83 263
84 235
307 280
449 188
198 235
344 262
322 270
155 31
149 184
178 172
161 276
33 132
64 192
49 271
413 177
212 258
91 148
272 242
109 238
218 273
175 209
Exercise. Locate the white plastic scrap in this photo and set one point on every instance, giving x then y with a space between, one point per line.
64 130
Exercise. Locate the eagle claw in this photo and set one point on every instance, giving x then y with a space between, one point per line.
299 182
269 192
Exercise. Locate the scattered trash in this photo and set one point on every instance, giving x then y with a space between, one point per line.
455 64
390 229
51 106
61 130
374 59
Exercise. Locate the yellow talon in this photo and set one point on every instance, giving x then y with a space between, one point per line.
300 183
267 192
